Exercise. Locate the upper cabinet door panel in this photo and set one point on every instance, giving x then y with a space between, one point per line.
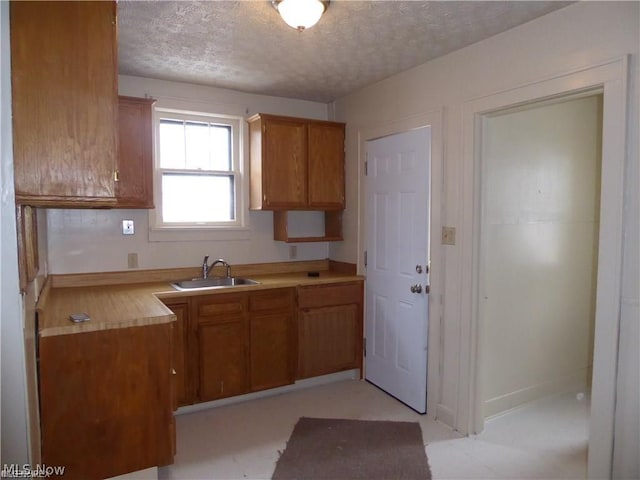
134 187
326 165
285 163
65 102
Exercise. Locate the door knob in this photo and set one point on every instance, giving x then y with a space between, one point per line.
416 288
418 268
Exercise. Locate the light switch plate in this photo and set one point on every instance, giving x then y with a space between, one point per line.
127 227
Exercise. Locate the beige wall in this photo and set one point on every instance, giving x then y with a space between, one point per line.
539 240
582 34
92 240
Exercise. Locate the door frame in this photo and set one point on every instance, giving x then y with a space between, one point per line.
611 78
435 120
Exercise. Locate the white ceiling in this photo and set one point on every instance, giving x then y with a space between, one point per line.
245 46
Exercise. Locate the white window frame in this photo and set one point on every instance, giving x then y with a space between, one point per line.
231 230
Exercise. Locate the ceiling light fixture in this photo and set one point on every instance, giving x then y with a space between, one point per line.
300 14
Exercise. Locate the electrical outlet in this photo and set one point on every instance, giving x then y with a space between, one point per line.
127 227
132 260
448 235
293 252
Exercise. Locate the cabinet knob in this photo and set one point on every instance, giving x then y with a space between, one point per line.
116 176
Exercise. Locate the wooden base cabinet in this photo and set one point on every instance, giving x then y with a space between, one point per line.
272 338
230 344
329 328
241 342
106 401
222 347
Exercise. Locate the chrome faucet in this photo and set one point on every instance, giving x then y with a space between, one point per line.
206 269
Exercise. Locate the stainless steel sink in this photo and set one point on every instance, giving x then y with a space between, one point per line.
212 282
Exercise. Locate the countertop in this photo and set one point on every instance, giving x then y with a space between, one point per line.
138 304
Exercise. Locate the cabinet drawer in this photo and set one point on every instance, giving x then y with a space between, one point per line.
224 309
277 299
327 295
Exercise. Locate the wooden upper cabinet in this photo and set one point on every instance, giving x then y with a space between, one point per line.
296 163
65 102
134 187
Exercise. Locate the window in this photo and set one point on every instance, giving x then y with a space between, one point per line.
198 171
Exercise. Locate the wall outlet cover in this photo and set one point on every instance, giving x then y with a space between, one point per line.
132 260
448 235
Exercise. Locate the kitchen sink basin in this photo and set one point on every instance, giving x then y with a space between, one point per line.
212 282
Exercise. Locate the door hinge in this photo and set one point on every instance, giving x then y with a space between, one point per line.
364 346
366 168
365 259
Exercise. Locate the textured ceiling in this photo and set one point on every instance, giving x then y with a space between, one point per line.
245 46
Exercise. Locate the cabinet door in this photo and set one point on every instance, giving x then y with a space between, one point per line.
326 166
181 354
223 371
65 102
328 340
222 345
271 348
272 338
134 187
284 169
106 406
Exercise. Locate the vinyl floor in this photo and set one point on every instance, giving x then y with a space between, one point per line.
546 439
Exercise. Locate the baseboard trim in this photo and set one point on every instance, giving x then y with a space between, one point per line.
577 381
445 415
299 385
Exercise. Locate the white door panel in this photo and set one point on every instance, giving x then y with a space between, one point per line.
397 186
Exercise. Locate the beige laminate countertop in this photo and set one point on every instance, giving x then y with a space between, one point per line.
139 304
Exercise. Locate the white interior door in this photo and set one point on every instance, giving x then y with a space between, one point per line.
397 245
